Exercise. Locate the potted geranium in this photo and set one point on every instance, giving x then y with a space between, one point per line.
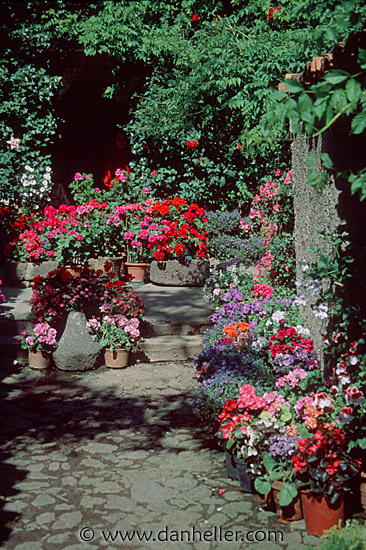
117 333
324 470
180 246
279 475
40 343
246 424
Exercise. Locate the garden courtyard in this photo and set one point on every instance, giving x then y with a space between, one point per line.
182 275
116 451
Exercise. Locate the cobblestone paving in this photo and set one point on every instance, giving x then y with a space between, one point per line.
93 455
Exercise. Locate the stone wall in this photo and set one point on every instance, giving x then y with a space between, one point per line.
320 215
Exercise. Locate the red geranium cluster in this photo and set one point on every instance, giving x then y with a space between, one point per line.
237 412
195 18
287 340
182 225
271 12
322 463
262 291
191 144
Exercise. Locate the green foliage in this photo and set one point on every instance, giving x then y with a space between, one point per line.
351 537
207 80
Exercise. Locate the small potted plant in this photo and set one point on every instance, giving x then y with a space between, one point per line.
246 424
118 333
279 475
40 344
324 470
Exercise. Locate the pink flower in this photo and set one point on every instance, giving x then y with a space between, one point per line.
143 234
244 225
79 238
276 207
128 235
254 214
146 191
78 176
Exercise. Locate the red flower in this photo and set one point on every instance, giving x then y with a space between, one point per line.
195 18
179 249
271 12
191 144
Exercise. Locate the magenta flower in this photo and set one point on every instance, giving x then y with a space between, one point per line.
78 176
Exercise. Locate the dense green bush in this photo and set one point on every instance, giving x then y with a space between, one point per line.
204 70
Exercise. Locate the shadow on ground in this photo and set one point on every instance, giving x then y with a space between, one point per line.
59 408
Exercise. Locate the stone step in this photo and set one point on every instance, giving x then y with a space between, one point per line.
169 348
172 327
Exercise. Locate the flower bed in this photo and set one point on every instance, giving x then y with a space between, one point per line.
261 388
113 308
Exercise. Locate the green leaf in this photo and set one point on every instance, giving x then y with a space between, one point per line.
362 58
262 486
287 494
353 90
313 178
358 124
331 34
293 86
276 475
268 462
336 76
305 106
326 161
338 100
310 160
278 95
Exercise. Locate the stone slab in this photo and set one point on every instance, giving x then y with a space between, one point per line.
192 273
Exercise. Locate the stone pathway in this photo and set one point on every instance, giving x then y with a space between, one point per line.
94 455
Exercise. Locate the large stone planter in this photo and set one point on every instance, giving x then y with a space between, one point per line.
179 272
76 350
21 274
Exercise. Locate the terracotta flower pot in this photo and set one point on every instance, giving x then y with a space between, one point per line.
116 359
39 360
138 271
319 515
292 512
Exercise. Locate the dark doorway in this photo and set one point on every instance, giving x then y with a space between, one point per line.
89 122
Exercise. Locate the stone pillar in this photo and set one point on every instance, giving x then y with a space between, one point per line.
328 212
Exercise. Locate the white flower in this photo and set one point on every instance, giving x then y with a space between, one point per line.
259 343
268 323
300 300
322 400
313 286
321 311
29 168
302 330
304 266
32 182
13 142
47 176
48 169
278 316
